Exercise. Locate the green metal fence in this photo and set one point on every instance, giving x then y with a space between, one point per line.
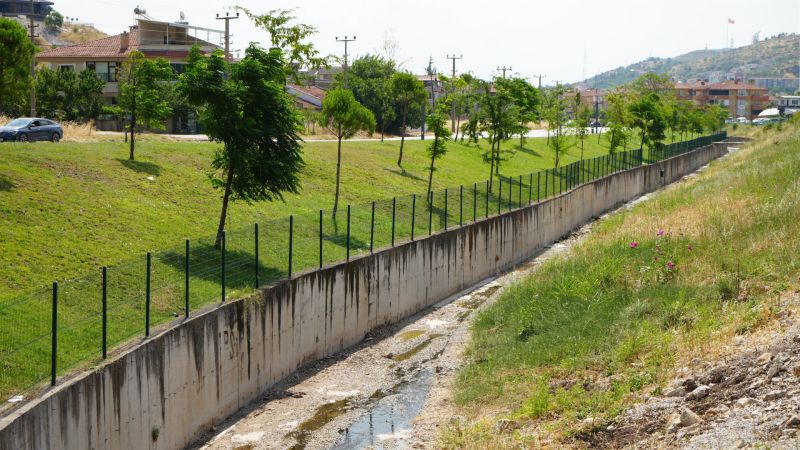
50 331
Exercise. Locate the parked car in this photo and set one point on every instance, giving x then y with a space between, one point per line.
742 120
25 129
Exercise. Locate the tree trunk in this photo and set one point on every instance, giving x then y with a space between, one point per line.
522 135
402 139
224 213
383 126
133 131
338 171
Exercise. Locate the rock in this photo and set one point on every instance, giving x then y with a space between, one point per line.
774 369
738 340
792 422
774 395
689 418
505 425
716 375
755 385
589 422
764 359
746 401
796 338
674 423
699 393
690 384
677 392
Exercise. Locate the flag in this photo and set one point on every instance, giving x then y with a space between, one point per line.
731 21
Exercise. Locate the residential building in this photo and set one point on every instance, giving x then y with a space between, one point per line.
307 97
322 78
740 99
787 83
154 39
595 99
434 87
18 8
788 104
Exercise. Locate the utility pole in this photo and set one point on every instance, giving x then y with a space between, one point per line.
431 71
504 69
540 80
33 65
453 112
345 40
227 18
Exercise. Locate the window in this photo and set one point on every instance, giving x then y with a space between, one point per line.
66 67
106 70
742 93
718 92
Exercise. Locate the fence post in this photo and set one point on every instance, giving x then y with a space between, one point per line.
105 312
256 261
186 281
530 189
487 199
320 239
413 214
348 232
445 209
147 298
546 182
394 207
553 178
291 236
519 202
372 229
538 186
54 335
461 206
510 193
222 269
430 213
474 202
499 194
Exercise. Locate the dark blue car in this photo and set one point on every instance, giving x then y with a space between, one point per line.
27 129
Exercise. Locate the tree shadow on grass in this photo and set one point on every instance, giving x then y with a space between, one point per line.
404 174
340 239
141 166
6 185
529 151
205 262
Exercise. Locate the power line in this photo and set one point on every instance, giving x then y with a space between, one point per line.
227 18
345 39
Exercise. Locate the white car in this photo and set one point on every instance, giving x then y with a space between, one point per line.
742 120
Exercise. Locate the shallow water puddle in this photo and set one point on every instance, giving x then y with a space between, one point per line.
390 419
324 415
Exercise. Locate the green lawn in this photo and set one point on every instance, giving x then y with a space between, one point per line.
671 280
67 209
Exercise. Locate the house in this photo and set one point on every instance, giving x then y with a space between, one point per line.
788 104
154 39
740 99
595 99
306 97
786 83
22 8
434 87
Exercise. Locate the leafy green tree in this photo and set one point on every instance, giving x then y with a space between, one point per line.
16 53
68 96
653 83
246 108
696 121
499 120
54 20
647 115
291 38
408 93
344 117
583 120
144 93
556 113
527 100
437 124
368 77
714 116
619 120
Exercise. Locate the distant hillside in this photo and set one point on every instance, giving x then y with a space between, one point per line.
67 35
771 57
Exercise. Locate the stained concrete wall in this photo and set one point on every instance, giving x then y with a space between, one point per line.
188 378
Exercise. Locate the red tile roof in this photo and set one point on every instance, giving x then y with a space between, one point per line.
100 48
314 91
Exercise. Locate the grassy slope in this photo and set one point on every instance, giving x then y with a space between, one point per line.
66 209
617 316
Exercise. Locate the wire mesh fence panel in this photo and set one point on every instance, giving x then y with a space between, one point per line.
196 273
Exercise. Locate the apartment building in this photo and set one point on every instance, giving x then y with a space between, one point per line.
740 99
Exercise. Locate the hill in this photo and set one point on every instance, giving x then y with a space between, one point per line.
69 34
772 57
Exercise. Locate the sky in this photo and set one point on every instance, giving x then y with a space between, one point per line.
565 40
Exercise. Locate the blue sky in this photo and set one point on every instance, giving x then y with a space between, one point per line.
563 40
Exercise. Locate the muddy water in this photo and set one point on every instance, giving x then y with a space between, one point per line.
389 420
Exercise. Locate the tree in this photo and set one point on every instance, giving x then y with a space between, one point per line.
144 92
246 108
408 93
526 98
618 120
16 53
653 83
54 20
498 120
437 124
583 120
367 78
344 117
67 96
648 117
556 114
291 38
714 116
